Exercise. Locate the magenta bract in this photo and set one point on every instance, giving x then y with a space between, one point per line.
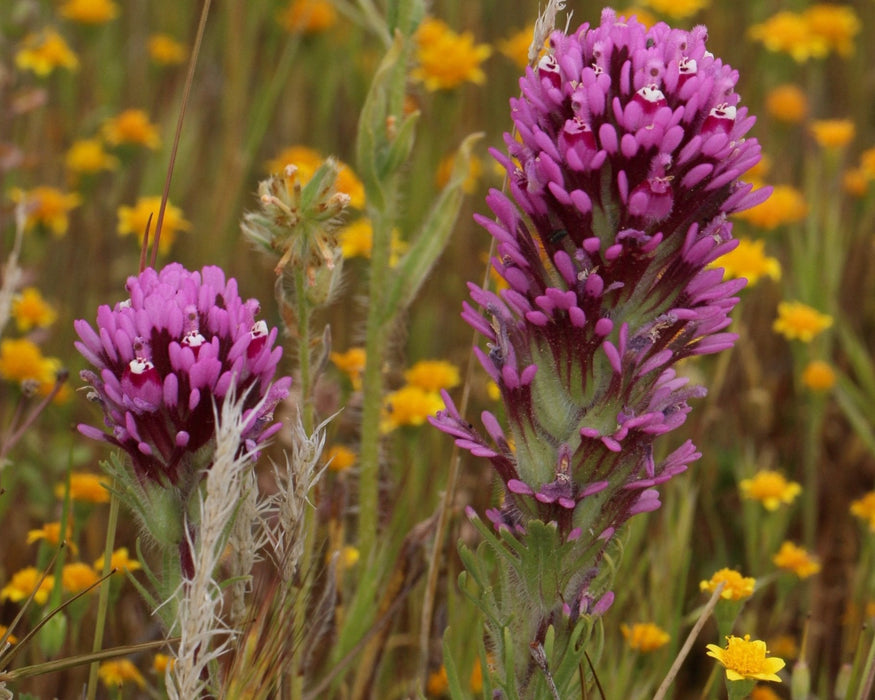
167 356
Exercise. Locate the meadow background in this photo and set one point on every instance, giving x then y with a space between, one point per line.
795 398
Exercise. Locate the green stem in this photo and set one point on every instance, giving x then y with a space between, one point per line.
372 385
303 313
103 600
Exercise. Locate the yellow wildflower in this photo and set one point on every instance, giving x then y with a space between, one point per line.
867 162
45 51
308 160
785 646
135 219
132 126
352 364
749 260
737 587
798 321
85 487
308 16
118 672
744 659
78 576
409 406
347 557
763 692
832 133
22 584
433 375
51 533
445 170
856 182
120 560
836 25
438 683
516 46
161 662
676 9
339 458
771 488
787 103
87 157
819 376
47 206
793 558
864 508
790 33
644 636
786 205
30 310
89 11
11 639
357 241
23 362
446 59
165 50
647 18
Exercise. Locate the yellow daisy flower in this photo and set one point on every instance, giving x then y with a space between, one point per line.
786 205
644 636
737 587
409 406
22 584
30 310
47 206
516 46
771 488
51 533
87 157
132 126
445 170
89 11
787 103
308 16
43 52
446 59
832 133
161 662
339 458
798 321
165 50
357 240
78 576
85 487
433 375
745 659
135 219
676 9
819 376
120 560
790 557
835 24
749 260
118 672
790 33
22 361
352 364
11 639
864 508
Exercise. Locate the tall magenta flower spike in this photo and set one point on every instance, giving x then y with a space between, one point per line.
625 164
167 356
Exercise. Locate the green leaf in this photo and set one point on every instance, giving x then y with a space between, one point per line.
453 681
433 235
400 147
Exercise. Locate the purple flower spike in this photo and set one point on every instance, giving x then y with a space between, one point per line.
631 145
165 357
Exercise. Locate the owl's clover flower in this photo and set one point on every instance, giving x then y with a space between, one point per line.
165 359
626 164
623 170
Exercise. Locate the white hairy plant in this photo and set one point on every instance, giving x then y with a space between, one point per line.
227 506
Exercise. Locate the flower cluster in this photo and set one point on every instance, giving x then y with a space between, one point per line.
165 356
631 144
